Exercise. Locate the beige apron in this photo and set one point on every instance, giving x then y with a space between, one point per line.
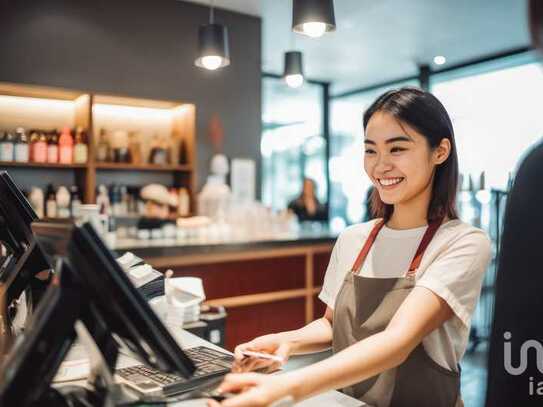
364 307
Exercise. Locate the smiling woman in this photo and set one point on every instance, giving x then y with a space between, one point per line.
411 153
400 289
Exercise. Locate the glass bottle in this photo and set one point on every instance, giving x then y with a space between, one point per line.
183 154
8 146
102 149
21 146
75 201
52 147
134 147
39 149
80 148
51 202
66 146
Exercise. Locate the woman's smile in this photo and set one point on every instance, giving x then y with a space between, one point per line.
389 183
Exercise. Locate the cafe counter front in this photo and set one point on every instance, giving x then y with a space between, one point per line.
265 285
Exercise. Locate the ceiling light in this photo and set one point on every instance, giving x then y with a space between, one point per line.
440 60
313 17
213 52
294 73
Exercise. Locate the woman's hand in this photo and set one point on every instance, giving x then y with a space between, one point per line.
274 344
256 390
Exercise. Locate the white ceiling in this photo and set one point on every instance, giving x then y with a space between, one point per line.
381 40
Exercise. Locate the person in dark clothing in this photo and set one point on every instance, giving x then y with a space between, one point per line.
515 360
307 206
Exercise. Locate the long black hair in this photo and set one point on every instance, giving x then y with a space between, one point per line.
424 113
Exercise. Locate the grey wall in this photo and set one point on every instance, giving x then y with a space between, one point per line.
140 48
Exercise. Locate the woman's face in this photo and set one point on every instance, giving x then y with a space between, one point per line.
399 161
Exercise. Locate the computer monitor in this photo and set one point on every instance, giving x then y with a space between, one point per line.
23 259
92 284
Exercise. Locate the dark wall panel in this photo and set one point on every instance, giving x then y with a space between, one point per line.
140 48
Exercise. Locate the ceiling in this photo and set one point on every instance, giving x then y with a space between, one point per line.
381 40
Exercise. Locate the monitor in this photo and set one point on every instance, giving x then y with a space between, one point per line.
23 258
93 283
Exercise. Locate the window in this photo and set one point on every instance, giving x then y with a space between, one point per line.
292 145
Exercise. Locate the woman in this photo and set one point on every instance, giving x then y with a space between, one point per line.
399 289
307 206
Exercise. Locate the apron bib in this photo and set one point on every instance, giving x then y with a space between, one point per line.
364 307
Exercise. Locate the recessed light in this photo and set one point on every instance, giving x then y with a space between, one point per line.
440 60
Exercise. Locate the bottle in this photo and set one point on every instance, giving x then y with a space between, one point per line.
8 146
102 200
158 153
51 202
21 146
52 147
183 154
39 148
2 138
63 202
119 143
184 202
34 136
75 202
134 147
66 146
102 149
37 201
80 149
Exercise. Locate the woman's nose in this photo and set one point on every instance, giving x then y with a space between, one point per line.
383 164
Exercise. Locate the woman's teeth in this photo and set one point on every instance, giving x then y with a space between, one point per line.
390 181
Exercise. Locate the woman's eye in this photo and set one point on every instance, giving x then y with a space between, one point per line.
369 151
397 149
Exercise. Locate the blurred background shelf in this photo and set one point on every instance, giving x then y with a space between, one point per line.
142 167
9 164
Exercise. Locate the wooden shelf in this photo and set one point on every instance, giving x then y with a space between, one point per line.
41 165
142 167
43 107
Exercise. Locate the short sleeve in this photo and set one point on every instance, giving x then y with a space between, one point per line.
332 278
456 275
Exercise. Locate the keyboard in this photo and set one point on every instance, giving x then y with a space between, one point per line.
210 365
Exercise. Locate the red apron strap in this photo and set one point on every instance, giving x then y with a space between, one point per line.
367 246
426 239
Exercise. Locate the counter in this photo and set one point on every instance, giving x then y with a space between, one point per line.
266 285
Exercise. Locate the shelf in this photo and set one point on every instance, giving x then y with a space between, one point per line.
41 165
142 167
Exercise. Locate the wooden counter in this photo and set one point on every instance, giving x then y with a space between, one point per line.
266 287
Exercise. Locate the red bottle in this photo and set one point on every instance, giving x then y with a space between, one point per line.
66 146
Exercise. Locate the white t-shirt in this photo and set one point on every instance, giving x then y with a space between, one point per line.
452 267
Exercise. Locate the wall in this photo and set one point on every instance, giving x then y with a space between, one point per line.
140 48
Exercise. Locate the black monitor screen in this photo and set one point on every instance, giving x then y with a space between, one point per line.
118 304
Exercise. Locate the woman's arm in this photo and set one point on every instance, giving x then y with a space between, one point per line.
420 314
313 337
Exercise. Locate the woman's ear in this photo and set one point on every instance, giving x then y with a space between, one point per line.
442 151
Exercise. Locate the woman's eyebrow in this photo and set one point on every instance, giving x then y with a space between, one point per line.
390 140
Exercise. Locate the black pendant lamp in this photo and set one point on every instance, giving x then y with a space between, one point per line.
313 17
294 72
213 50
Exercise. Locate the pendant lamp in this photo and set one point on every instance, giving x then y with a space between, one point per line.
294 73
213 50
313 17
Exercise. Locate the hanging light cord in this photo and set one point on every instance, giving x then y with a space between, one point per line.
212 12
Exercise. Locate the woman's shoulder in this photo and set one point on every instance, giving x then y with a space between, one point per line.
457 232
